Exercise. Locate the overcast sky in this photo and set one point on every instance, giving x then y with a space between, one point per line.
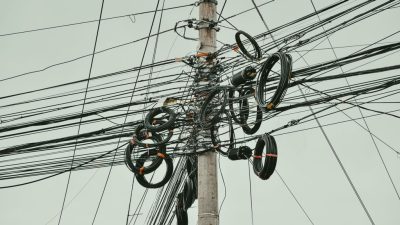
306 163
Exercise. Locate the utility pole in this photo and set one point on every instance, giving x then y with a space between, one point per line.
207 162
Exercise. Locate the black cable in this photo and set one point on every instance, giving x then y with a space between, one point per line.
83 108
59 173
251 194
133 91
294 197
84 56
239 42
272 102
342 166
91 21
265 24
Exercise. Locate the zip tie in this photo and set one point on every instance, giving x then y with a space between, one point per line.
161 155
141 170
235 48
270 105
202 54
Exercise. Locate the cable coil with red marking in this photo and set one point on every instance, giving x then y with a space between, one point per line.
144 169
168 173
271 156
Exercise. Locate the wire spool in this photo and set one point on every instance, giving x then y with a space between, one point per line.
141 133
244 114
217 143
265 102
257 50
153 124
212 108
248 74
141 169
264 171
168 173
243 152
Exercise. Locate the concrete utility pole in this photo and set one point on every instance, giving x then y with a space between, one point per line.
207 162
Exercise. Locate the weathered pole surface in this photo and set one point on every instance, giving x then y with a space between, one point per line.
207 162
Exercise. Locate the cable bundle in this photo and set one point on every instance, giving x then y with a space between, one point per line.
158 153
186 198
244 114
285 74
264 171
209 113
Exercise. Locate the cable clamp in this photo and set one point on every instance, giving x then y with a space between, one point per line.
293 123
201 24
208 214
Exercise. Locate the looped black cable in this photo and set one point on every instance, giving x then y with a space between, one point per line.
141 133
208 114
265 103
141 169
152 123
168 173
231 100
271 156
244 114
217 142
257 50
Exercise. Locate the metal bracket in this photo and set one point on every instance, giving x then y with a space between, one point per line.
207 24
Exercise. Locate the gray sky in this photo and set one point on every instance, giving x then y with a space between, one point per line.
305 162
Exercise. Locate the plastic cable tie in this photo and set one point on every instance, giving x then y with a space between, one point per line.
270 105
141 170
202 54
161 155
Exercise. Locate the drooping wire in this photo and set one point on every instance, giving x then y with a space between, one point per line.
341 165
126 116
294 197
251 194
